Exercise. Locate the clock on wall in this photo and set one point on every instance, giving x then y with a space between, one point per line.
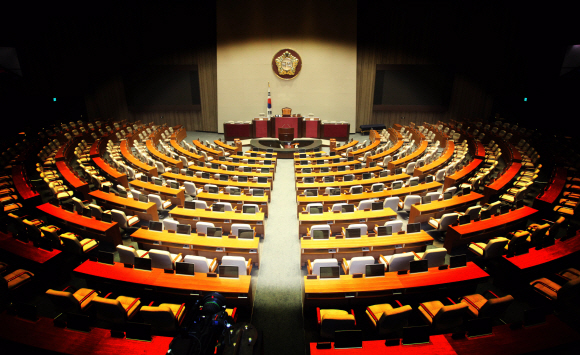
286 64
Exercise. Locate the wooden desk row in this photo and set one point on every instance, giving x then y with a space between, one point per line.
437 164
38 257
236 172
176 196
345 185
422 213
194 244
219 219
236 291
339 220
200 182
542 257
366 245
22 184
87 227
110 173
144 210
482 231
236 200
366 288
546 199
157 155
328 201
125 147
344 147
501 182
463 174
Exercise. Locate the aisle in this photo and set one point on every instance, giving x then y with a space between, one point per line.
278 299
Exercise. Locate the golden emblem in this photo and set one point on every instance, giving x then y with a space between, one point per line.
287 64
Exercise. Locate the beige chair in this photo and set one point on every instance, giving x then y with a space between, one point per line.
72 245
357 265
445 221
435 256
244 268
479 306
441 317
494 248
331 320
128 254
313 267
397 262
569 274
116 311
202 264
14 280
387 319
67 301
165 318
554 292
162 259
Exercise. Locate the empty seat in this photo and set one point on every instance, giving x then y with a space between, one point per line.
69 300
72 245
165 318
128 254
331 320
435 256
444 222
556 292
387 319
122 220
357 265
202 264
409 201
313 267
244 268
441 317
116 311
479 306
162 259
492 249
396 262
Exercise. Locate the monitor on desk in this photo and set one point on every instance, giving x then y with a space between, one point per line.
306 170
69 207
429 179
377 206
303 162
143 198
174 184
87 212
200 164
235 160
262 180
350 159
309 180
143 178
213 189
143 264
397 185
416 335
329 179
190 173
240 153
253 155
249 209
479 327
465 219
258 192
485 214
398 171
357 166
425 200
222 158
329 272
230 168
377 187
123 193
247 169
315 209
218 207
267 162
251 161
505 209
413 182
311 192
348 339
457 261
106 257
215 232
107 188
184 229
245 233
317 149
447 195
332 154
413 227
224 177
419 266
519 204
302 156
205 175
347 208
242 179
372 164
466 190
182 268
156 226
384 173
190 205
336 160
158 182
269 156
367 176
175 170
325 169
215 166
228 271
341 168
334 192
235 191
265 170
320 234
107 217
384 231
352 233
374 270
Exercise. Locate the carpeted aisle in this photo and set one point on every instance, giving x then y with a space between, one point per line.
278 298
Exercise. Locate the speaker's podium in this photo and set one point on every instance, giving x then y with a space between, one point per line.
286 134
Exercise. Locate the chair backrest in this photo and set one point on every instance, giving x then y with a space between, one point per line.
126 254
353 187
237 226
335 320
170 224
410 200
395 319
161 318
447 219
435 256
338 206
495 248
96 210
366 204
494 307
392 203
238 261
316 204
157 200
440 175
450 316
410 168
119 217
190 188
395 225
109 310
318 263
71 244
79 204
161 259
64 301
493 207
227 206
361 226
201 263
401 261
201 227
378 185
358 264
200 204
320 227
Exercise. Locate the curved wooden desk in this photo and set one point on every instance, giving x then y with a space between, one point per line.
177 196
144 210
552 191
219 219
193 244
542 257
134 162
339 220
345 185
160 156
235 290
344 147
462 174
110 173
358 172
208 150
409 158
437 164
236 200
501 182
72 179
436 209
201 182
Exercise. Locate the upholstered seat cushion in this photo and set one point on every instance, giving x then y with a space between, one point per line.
570 273
84 296
130 304
336 314
131 220
564 210
376 311
474 303
17 278
547 287
166 204
430 309
178 310
88 244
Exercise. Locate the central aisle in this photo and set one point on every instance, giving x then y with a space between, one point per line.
278 299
